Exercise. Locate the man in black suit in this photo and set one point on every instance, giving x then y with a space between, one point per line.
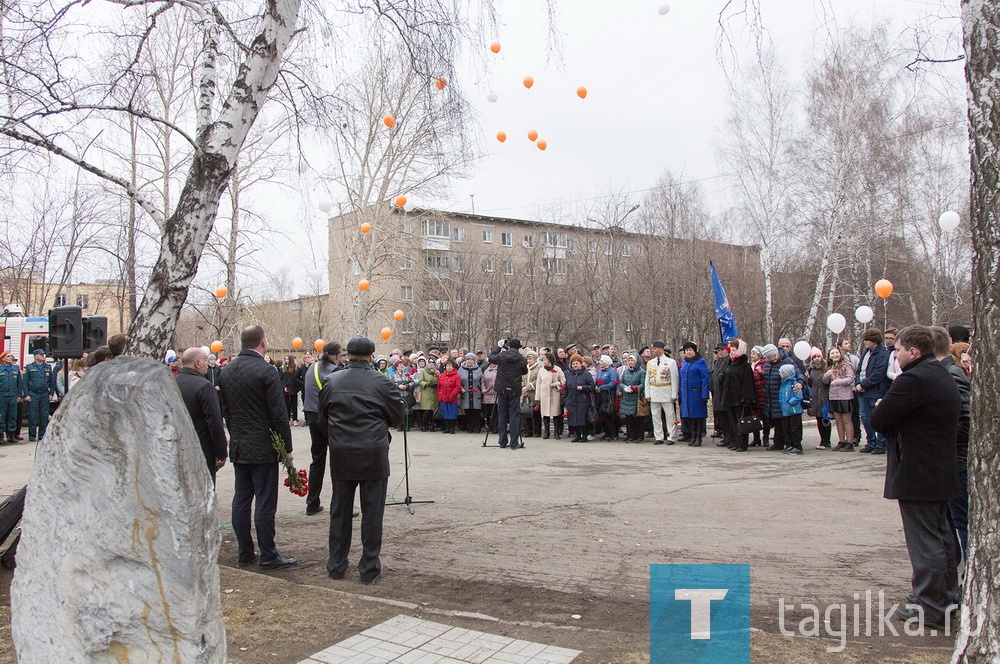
253 403
919 417
359 405
203 405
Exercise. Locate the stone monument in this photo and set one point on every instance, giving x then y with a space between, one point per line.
118 560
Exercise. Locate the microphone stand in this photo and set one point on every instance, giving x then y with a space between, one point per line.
408 501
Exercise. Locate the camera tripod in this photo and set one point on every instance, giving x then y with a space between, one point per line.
520 431
408 501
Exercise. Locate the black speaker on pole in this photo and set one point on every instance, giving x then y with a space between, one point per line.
66 332
95 332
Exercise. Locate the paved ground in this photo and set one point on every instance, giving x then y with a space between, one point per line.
562 534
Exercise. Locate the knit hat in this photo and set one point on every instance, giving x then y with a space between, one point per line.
758 349
815 351
606 359
768 350
470 356
786 371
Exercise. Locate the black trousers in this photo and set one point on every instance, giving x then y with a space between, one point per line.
791 431
633 427
509 413
255 482
318 448
930 543
778 431
372 511
292 405
473 420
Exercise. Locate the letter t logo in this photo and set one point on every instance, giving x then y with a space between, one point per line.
701 608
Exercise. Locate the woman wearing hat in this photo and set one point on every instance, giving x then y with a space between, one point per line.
579 388
693 391
632 387
531 425
403 382
427 380
471 398
549 390
607 381
448 388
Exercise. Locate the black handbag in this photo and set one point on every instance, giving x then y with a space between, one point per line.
749 423
527 408
591 411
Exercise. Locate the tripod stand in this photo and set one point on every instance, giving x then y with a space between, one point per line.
495 415
408 501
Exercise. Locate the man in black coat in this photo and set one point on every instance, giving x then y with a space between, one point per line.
919 417
359 405
253 403
511 365
203 405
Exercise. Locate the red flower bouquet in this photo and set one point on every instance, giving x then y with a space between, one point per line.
297 481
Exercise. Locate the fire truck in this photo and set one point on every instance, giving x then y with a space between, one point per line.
22 335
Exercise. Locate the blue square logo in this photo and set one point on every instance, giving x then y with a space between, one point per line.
699 614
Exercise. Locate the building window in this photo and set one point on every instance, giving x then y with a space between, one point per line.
458 234
457 264
592 246
507 239
488 265
555 266
406 263
553 239
607 248
436 228
508 268
437 261
83 301
60 300
488 237
529 270
406 293
461 326
625 249
407 227
529 241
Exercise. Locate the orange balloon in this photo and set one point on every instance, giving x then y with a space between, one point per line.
542 145
532 135
363 285
297 343
883 288
528 82
581 92
495 47
501 136
400 201
386 333
217 346
398 315
366 227
318 345
389 120
440 83
221 292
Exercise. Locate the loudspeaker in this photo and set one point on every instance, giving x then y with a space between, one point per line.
66 332
95 332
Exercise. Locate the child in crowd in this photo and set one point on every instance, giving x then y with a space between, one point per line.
791 409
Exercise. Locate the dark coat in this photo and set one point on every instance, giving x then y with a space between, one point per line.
694 387
290 382
212 375
919 418
511 365
253 403
820 390
203 405
737 384
359 405
876 382
772 385
578 401
965 391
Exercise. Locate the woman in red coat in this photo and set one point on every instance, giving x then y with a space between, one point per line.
449 387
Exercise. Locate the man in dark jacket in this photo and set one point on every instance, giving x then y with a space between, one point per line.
511 365
871 382
203 405
358 405
313 379
716 374
919 414
253 403
776 358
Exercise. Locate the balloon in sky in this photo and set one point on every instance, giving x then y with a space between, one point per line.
386 333
949 221
491 97
495 47
400 201
501 136
528 81
440 83
363 285
297 343
221 292
324 206
864 314
318 345
532 135
542 145
389 120
883 288
217 346
664 9
206 349
581 92
408 206
836 323
802 350
398 315
366 227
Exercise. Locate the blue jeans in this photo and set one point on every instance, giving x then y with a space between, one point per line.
872 437
509 412
255 482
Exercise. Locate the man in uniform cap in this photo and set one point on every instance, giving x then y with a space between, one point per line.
11 388
661 390
39 387
358 405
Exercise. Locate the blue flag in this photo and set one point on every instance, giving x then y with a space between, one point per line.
724 312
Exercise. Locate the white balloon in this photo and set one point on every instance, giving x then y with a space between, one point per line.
802 350
949 221
270 137
408 207
324 206
836 323
664 9
206 349
864 314
491 97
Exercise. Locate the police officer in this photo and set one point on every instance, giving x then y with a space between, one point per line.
11 388
39 386
359 405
